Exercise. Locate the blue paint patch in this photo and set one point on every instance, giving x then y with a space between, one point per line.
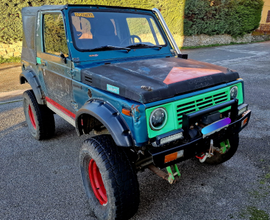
145 70
113 89
216 126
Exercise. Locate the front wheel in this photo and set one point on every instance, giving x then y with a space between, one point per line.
109 180
219 158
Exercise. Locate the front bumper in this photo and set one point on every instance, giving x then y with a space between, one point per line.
191 148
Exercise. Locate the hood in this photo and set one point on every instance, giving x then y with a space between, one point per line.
151 80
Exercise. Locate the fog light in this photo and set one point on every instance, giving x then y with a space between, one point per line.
241 111
171 138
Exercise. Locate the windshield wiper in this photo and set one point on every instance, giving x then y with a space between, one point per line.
144 45
110 47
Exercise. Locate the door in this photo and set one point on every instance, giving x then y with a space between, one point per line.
56 66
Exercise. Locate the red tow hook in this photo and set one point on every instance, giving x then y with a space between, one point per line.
204 156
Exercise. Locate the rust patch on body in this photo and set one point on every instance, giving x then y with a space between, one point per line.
135 112
89 93
135 108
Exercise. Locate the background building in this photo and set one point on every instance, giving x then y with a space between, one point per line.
265 20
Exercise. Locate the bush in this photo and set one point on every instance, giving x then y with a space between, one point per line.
10 60
11 20
211 17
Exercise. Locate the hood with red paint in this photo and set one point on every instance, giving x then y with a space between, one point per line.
156 79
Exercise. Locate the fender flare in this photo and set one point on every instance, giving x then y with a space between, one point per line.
31 78
110 118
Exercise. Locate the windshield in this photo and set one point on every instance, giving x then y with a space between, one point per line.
94 30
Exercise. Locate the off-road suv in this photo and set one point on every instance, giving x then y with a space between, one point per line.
117 75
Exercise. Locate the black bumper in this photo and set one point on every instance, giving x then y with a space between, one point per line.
195 146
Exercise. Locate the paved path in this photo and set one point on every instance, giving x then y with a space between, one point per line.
9 78
10 88
41 180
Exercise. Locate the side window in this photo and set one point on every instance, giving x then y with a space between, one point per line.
54 34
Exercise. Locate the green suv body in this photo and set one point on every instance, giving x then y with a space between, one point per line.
117 75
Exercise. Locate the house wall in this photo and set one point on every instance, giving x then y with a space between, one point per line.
265 26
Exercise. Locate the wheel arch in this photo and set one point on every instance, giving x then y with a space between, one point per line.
99 111
31 78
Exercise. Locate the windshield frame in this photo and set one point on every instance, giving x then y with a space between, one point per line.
115 10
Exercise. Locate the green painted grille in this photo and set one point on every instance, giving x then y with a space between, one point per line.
177 108
199 104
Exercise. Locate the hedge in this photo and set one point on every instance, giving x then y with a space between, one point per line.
11 24
211 17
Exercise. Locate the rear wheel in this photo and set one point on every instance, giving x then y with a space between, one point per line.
39 118
109 179
219 158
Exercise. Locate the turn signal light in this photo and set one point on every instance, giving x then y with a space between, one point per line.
173 156
126 112
244 121
170 157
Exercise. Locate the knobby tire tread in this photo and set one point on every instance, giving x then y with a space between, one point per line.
121 175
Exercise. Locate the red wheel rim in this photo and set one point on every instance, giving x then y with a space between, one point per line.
97 182
31 116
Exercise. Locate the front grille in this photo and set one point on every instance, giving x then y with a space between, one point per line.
199 104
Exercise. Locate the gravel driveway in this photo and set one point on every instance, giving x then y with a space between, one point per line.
41 180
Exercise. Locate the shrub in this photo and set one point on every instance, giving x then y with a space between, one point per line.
11 20
234 17
10 60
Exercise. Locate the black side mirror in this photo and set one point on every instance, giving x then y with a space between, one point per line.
63 57
183 56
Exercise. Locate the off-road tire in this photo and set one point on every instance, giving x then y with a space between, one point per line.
221 158
118 176
39 118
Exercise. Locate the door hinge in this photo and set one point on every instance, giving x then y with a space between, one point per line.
74 73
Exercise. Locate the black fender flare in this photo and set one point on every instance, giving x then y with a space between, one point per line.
31 78
110 118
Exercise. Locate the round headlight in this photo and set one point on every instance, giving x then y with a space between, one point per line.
158 118
234 92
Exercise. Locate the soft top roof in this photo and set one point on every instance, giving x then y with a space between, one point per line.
29 17
32 11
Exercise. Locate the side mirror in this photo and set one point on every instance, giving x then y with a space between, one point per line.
64 59
183 56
